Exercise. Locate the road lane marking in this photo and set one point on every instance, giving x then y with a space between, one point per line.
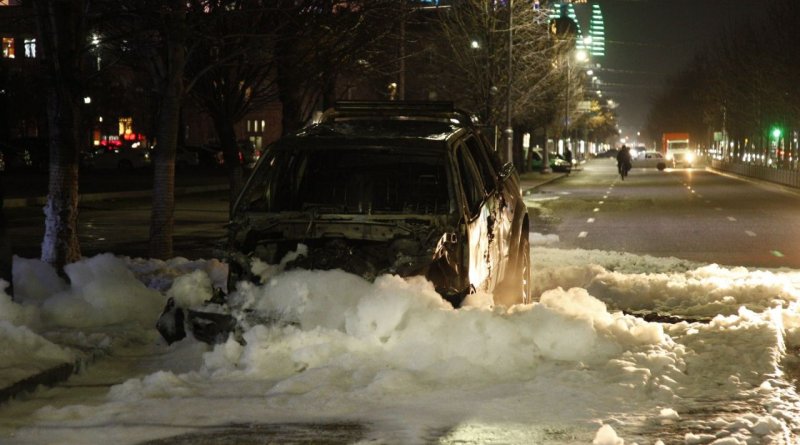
699 195
777 253
750 233
605 196
601 202
583 234
590 220
719 209
596 209
731 219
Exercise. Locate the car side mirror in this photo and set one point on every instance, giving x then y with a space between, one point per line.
507 170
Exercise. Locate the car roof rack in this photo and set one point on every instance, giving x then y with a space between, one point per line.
443 111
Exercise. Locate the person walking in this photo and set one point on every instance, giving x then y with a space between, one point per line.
568 156
624 162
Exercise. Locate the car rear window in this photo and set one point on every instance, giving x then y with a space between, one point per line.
357 181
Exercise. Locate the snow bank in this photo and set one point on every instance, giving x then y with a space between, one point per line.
330 347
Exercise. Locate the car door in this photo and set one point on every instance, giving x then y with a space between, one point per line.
481 208
504 190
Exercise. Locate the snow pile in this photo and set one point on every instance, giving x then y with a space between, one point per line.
329 347
24 352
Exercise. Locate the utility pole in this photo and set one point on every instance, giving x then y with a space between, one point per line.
509 129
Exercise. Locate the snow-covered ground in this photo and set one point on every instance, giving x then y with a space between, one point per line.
392 357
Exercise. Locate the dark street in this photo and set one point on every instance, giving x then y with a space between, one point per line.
692 214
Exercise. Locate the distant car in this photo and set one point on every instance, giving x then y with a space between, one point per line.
650 159
186 157
556 161
207 156
122 157
15 158
247 153
610 153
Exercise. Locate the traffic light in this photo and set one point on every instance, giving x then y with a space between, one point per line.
776 133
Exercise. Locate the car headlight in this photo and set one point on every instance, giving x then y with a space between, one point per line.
669 156
689 157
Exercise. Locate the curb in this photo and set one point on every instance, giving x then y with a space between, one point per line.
527 185
756 181
39 201
48 377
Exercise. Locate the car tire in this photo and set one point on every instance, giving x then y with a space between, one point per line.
525 267
661 166
516 287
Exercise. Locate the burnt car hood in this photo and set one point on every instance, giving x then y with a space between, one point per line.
366 245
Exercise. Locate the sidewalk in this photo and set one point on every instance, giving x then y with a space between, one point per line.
532 180
29 189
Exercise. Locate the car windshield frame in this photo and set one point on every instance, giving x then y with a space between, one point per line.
349 179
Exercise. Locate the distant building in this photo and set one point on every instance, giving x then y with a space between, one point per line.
589 30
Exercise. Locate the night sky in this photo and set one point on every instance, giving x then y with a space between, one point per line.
649 40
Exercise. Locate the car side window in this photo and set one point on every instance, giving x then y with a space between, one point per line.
483 163
471 182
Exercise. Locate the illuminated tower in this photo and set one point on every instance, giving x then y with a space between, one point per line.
597 32
594 40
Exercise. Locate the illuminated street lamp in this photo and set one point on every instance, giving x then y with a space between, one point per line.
581 56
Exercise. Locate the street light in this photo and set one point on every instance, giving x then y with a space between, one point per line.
581 56
509 130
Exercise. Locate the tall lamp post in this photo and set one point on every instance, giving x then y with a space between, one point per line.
580 56
509 129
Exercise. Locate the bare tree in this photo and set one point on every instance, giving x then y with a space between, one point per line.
232 72
158 35
475 55
320 40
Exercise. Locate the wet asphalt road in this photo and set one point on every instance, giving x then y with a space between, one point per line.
691 214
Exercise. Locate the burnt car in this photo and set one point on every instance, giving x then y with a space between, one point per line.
388 188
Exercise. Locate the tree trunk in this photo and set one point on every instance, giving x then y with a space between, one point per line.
230 152
289 88
60 245
162 218
61 29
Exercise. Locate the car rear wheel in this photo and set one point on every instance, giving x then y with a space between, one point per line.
525 268
661 166
516 287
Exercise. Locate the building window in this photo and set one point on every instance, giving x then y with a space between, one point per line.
30 48
8 47
125 126
257 142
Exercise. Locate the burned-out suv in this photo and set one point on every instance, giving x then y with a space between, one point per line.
388 187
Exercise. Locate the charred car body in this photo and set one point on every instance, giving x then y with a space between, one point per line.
399 188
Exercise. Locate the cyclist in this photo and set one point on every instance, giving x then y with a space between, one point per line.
624 162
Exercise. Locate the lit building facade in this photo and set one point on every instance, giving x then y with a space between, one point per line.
591 33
